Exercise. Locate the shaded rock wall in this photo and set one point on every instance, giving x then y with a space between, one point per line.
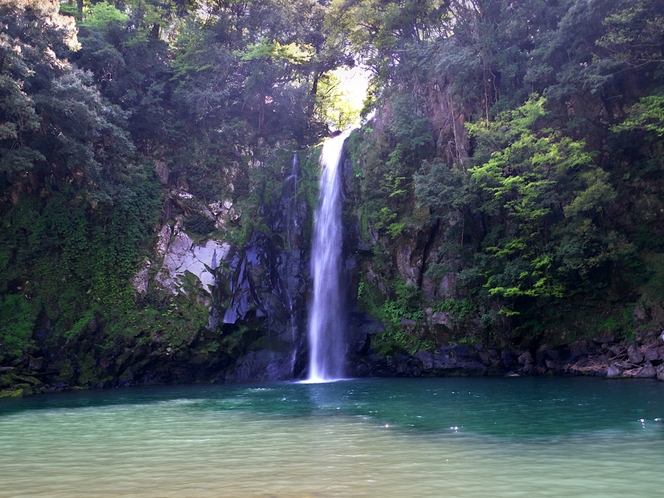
601 357
219 310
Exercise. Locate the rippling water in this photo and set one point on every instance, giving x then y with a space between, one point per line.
401 437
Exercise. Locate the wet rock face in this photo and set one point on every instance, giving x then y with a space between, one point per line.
267 277
263 365
259 282
264 285
443 363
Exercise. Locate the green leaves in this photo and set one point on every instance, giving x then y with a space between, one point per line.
381 32
17 317
535 189
633 33
646 115
595 193
292 53
523 183
104 16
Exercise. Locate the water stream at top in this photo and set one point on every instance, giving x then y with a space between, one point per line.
326 323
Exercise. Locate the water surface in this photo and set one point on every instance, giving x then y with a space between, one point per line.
474 437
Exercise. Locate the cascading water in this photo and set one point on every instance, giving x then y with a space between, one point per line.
326 318
292 258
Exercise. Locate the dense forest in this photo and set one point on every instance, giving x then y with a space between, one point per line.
504 190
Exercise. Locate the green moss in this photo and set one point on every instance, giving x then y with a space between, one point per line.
66 372
11 393
17 319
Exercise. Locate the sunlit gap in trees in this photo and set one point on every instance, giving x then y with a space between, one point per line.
346 91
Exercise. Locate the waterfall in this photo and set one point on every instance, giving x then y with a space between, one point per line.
292 255
327 318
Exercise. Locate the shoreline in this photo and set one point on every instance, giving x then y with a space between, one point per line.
600 357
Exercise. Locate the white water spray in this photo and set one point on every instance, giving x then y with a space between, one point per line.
326 320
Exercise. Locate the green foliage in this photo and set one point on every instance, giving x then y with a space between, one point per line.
406 304
518 205
386 161
647 114
291 53
460 308
199 224
17 318
633 33
79 326
335 104
542 235
72 260
520 181
381 32
397 311
103 16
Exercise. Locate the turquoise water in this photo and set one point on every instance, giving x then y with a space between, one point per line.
474 437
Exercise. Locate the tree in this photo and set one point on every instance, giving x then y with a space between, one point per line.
76 207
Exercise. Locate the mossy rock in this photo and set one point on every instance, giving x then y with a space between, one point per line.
27 384
26 389
6 381
27 379
88 371
11 393
66 372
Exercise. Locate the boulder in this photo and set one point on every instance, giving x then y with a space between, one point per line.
263 365
442 319
660 372
162 171
552 354
506 358
426 360
616 350
652 355
614 371
639 316
646 372
528 368
461 351
525 358
635 355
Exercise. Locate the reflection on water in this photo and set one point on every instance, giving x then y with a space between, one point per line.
405 437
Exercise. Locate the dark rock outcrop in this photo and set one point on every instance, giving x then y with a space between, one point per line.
596 358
